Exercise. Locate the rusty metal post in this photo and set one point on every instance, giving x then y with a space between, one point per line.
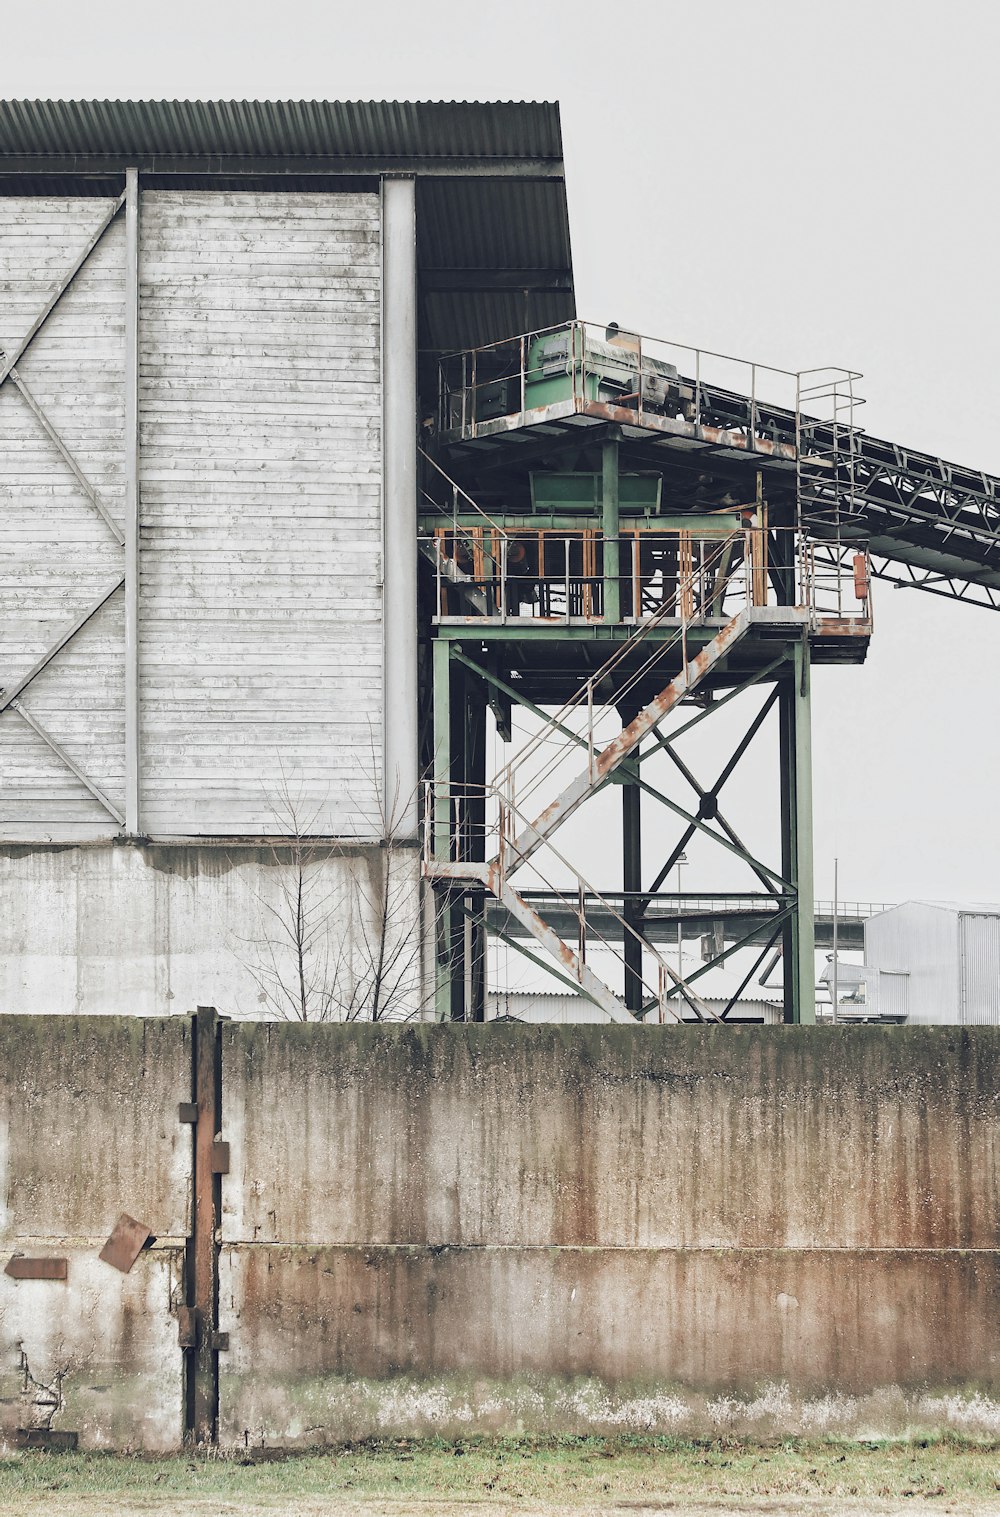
202 1368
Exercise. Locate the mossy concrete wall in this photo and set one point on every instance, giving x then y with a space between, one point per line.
770 1228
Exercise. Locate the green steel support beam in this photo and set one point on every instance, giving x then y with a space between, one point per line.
441 823
629 769
805 966
720 958
609 530
632 885
798 937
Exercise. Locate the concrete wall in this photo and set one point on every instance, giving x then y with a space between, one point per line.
438 1228
431 1228
89 1130
157 930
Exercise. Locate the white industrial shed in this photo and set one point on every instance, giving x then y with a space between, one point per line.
936 962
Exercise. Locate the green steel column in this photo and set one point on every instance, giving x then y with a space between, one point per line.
804 968
795 751
786 767
631 884
441 841
609 529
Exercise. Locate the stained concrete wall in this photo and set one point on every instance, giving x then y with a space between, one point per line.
156 930
437 1228
430 1228
88 1130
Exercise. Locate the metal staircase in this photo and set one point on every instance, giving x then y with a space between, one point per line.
519 835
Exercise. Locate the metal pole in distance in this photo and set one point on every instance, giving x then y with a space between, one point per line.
610 530
836 964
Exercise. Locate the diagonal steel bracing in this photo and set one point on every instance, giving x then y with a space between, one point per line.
9 371
603 764
7 697
70 763
666 745
71 463
54 298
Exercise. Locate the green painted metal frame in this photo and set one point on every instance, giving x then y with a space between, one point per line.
793 885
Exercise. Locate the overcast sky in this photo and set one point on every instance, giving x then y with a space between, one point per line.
796 182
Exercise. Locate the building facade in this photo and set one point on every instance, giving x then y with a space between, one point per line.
210 318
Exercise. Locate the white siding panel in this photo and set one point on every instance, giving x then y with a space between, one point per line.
56 553
918 941
260 607
979 960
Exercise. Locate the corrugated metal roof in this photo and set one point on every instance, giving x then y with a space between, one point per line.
297 128
491 197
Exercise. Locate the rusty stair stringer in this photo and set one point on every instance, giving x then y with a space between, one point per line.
591 984
591 779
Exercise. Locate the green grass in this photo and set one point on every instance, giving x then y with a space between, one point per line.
564 1474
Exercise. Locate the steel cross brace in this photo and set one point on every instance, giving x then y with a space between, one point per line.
727 771
9 370
621 748
630 767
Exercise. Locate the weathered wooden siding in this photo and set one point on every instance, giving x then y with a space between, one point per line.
56 553
260 619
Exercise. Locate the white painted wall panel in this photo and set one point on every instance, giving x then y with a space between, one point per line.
919 941
260 606
56 553
979 968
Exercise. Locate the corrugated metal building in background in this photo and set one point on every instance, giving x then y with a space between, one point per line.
565 1008
937 962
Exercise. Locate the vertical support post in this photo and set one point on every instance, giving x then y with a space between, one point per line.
441 833
131 523
798 935
202 1398
805 906
610 531
632 885
399 510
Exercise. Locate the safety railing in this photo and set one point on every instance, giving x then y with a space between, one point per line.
563 576
589 364
518 573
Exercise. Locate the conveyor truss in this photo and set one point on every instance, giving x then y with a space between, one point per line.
688 598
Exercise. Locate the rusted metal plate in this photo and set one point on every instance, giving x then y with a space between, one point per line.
187 1326
220 1157
20 1267
50 1439
187 1111
127 1241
